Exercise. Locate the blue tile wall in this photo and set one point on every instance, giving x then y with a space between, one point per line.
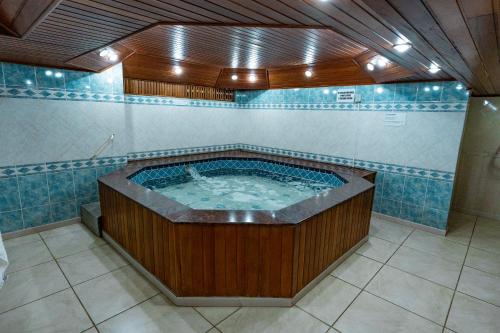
23 81
403 97
37 194
423 200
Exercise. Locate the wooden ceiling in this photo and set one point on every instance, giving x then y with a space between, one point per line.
243 46
462 36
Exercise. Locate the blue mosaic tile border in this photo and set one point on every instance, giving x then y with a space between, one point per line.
180 151
401 97
36 194
162 172
22 81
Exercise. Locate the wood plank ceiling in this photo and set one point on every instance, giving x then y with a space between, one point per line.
461 36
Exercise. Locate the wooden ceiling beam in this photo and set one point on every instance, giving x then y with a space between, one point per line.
415 22
20 17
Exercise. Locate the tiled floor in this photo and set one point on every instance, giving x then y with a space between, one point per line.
401 280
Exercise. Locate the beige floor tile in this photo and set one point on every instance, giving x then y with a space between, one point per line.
109 294
370 314
378 249
332 330
88 264
63 230
484 286
483 260
156 315
436 245
31 284
420 296
328 299
271 320
389 231
59 312
486 222
460 227
215 314
21 240
486 237
468 315
430 267
357 270
71 242
25 255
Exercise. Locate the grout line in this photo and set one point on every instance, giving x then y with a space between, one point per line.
76 295
220 321
130 307
35 300
460 275
483 271
315 317
100 275
369 281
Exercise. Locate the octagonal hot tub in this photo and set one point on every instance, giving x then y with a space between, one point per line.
235 228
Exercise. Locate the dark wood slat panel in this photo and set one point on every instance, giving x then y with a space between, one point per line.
225 81
340 72
223 45
482 22
449 16
161 69
418 25
236 259
158 88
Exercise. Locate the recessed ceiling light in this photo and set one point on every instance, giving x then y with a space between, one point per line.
370 66
434 68
379 90
296 89
382 62
177 70
308 73
326 91
29 82
58 75
402 47
48 73
252 78
234 77
459 86
427 89
109 54
435 88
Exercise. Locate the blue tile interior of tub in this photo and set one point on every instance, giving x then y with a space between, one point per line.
149 174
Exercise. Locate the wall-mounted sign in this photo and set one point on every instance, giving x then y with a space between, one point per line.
345 95
395 119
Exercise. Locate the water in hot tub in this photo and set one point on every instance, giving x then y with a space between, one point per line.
239 190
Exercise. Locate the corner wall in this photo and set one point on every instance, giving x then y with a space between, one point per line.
50 128
477 189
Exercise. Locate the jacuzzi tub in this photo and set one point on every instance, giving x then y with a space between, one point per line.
202 248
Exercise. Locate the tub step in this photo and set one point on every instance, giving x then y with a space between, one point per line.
91 217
